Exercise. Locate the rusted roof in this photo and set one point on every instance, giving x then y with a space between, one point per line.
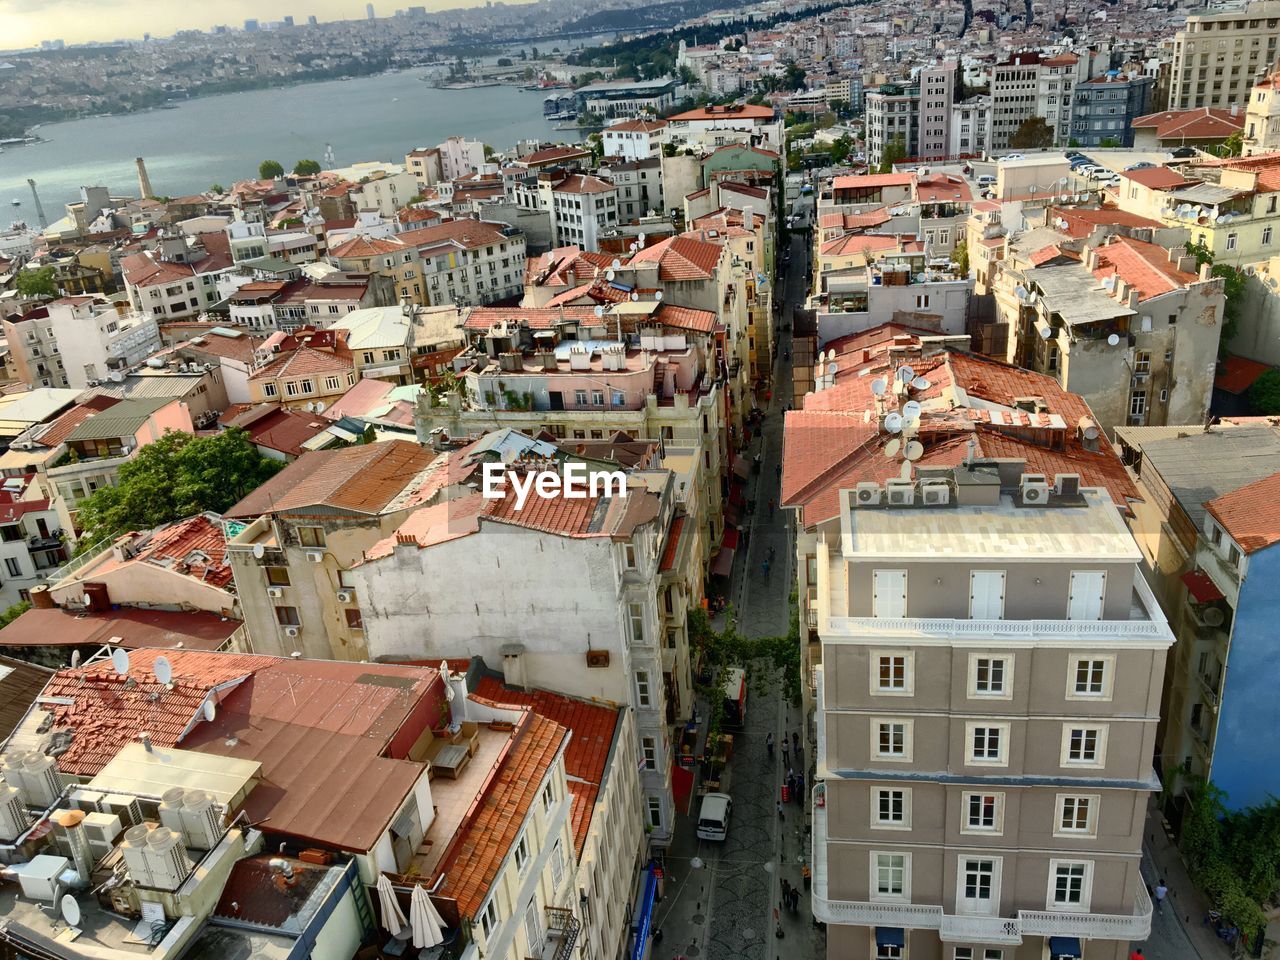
195 547
127 627
360 480
20 684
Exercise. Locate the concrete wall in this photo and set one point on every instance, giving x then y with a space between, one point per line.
1258 337
149 586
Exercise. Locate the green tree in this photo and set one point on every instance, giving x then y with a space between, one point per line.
1109 142
1264 395
1233 145
270 170
36 283
960 257
174 477
217 188
528 74
14 612
369 435
1032 134
841 148
895 151
306 168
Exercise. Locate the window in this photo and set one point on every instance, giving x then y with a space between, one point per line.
1070 883
1138 404
1076 815
580 397
893 674
891 739
979 885
987 744
355 619
522 853
890 875
655 812
1231 241
278 576
12 565
892 808
1090 678
548 796
990 676
1142 361
983 813
643 698
533 927
489 918
268 389
287 617
311 536
962 953
557 865
1084 746
597 398
1266 236
649 750
628 554
332 383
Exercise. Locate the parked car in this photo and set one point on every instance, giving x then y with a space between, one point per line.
1141 165
986 180
1182 153
1012 156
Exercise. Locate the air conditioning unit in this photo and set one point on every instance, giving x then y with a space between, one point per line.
901 493
1140 378
597 658
315 556
935 494
102 829
123 806
291 631
1067 485
868 494
1035 489
275 592
344 596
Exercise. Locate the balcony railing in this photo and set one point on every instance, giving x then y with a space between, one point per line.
963 927
562 933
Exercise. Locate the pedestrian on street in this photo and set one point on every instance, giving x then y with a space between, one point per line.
791 786
768 745
807 874
765 567
786 754
795 741
780 816
800 789
795 899
786 890
1137 954
778 471
771 508
773 551
1162 891
778 934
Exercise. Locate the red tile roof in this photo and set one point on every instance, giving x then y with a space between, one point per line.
582 183
1082 221
1237 374
1203 123
735 111
682 258
277 429
1251 515
469 233
127 627
66 424
637 126
1156 178
361 247
478 850
303 362
871 181
941 188
592 728
552 155
195 547
1145 267
851 244
535 318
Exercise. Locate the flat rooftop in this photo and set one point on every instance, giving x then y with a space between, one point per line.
40 924
1094 530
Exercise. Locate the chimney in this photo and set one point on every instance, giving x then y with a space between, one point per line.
72 824
144 181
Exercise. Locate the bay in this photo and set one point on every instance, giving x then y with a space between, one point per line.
223 139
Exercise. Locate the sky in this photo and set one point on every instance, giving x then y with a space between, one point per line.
24 23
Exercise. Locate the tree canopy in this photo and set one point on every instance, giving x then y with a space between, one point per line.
1033 134
1264 395
37 283
895 151
270 170
305 168
174 477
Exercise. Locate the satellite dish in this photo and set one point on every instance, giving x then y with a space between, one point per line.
911 410
640 238
635 296
70 910
319 406
209 709
120 660
163 670
1109 283
1212 617
617 264
609 274
75 659
658 295
920 383
891 448
914 451
599 311
878 386
1113 340
905 472
1020 292
906 374
893 423
832 367
311 407
258 551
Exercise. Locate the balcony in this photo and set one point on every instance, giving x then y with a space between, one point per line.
958 927
562 933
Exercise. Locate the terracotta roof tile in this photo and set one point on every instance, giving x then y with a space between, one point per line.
196 547
682 258
1143 266
1251 514
1237 374
301 363
1157 178
735 111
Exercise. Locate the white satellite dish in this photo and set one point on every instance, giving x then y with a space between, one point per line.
891 448
640 238
163 670
1020 292
906 374
905 472
319 406
599 311
914 450
617 264
832 367
878 386
1109 283
911 410
209 709
635 296
259 551
75 659
657 295
609 274
120 660
70 910
1113 340
831 354
920 383
893 423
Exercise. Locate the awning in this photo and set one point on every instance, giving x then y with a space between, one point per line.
1201 586
736 495
733 514
741 468
730 538
723 564
1064 947
644 917
890 937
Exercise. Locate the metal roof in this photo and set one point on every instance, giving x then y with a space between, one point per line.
122 420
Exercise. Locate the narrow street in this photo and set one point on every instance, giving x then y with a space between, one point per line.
721 897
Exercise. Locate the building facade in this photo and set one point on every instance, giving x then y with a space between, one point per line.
1218 57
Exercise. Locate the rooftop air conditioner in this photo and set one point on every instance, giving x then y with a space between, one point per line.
1067 485
901 493
868 494
1035 489
291 631
935 494
344 596
275 592
315 556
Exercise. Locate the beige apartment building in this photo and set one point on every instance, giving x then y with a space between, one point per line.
987 711
1217 57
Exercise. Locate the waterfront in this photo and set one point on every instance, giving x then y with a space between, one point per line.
222 139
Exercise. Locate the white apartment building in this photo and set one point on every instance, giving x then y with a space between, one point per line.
970 126
468 262
630 140
937 94
582 208
892 115
639 186
385 187
1217 57
96 338
460 156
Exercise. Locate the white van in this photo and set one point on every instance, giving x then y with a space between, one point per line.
713 817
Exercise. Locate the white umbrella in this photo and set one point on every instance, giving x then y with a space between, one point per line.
392 916
427 924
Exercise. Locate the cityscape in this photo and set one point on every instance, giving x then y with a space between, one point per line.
672 481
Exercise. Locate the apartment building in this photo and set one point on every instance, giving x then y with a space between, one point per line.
986 661
179 278
631 140
306 369
1209 546
1262 117
468 262
714 126
639 187
970 127
1105 107
937 94
1030 84
582 207
385 187
32 543
97 338
389 257
892 116
33 350
1219 56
